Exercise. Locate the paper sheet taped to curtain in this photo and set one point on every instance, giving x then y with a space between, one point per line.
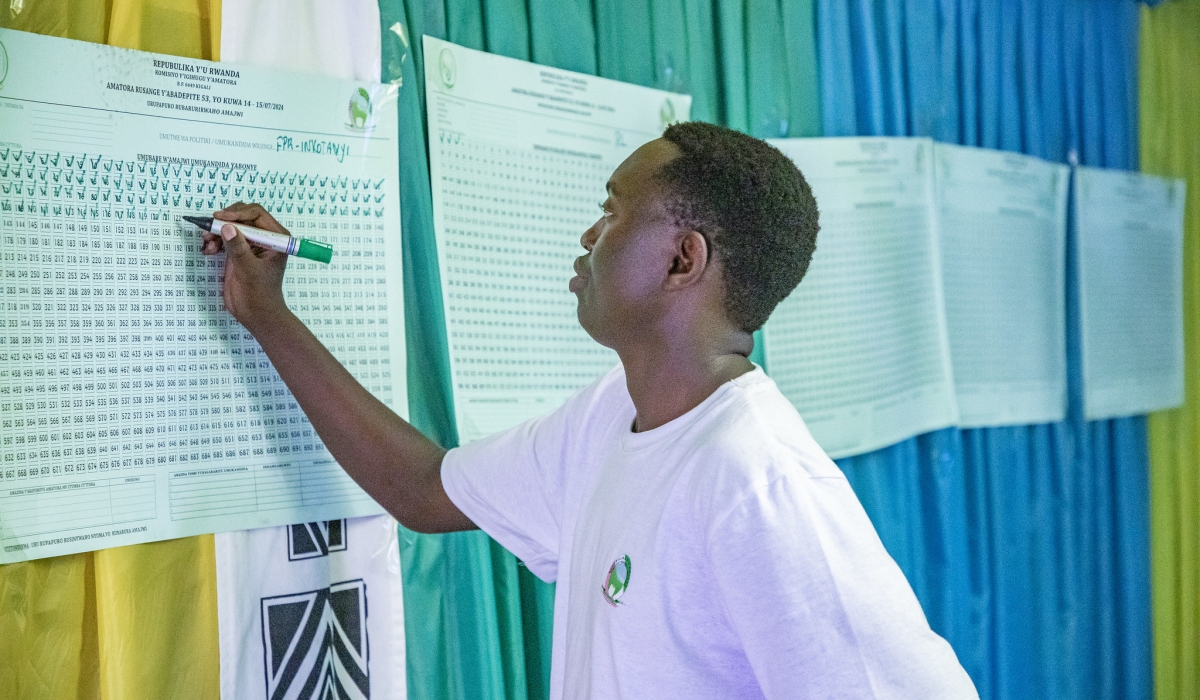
1002 226
519 155
132 406
1129 234
314 610
860 348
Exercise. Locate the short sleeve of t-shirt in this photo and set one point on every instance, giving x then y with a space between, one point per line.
512 484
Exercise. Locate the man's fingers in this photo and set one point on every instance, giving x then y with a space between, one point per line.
240 211
253 214
236 245
268 254
211 244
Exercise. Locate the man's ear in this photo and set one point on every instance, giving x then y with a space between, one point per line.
690 260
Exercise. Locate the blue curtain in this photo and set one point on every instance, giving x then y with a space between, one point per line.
1028 546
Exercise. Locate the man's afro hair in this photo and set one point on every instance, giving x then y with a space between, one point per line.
753 206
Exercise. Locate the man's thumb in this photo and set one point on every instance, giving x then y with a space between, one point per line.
235 243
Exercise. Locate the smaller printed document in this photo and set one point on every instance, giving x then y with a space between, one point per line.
519 158
1129 234
1002 223
861 348
133 407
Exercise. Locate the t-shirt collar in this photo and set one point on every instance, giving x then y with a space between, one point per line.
632 441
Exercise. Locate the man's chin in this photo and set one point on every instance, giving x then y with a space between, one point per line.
581 316
585 321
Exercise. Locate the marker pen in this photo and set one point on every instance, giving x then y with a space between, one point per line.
300 247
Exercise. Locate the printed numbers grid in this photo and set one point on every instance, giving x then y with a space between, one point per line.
998 278
512 222
115 349
840 314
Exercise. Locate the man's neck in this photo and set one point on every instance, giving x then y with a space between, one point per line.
667 380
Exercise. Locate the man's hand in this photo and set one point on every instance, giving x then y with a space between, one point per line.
253 289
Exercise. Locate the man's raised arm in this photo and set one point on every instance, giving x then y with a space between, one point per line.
398 466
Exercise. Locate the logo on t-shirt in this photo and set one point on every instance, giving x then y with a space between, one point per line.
617 580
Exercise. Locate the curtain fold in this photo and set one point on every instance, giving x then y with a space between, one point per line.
156 607
42 627
1170 145
1027 545
189 28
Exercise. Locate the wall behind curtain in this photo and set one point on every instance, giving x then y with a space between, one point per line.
1170 141
1028 546
132 623
478 623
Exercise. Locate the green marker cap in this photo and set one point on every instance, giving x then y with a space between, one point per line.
312 250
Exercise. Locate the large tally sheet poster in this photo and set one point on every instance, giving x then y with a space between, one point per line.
132 406
1002 223
1129 230
520 154
860 348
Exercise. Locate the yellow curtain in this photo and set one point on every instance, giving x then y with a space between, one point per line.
133 623
1170 145
177 27
156 608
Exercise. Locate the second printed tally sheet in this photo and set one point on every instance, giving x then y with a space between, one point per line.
519 158
971 251
1129 234
860 348
1002 224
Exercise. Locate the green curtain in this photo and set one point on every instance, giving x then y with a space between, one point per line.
1170 145
477 622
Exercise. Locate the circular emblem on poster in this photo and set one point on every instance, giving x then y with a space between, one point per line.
666 113
447 68
361 108
3 64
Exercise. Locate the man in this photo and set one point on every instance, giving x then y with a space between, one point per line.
703 544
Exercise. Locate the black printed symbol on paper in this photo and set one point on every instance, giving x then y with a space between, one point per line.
309 540
315 644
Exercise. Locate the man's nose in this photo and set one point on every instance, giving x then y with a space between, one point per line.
589 237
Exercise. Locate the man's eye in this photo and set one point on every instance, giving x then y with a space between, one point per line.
604 212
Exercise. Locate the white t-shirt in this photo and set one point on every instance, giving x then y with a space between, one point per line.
722 555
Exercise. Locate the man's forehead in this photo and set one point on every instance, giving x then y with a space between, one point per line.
637 172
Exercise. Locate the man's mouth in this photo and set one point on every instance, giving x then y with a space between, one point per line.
579 280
